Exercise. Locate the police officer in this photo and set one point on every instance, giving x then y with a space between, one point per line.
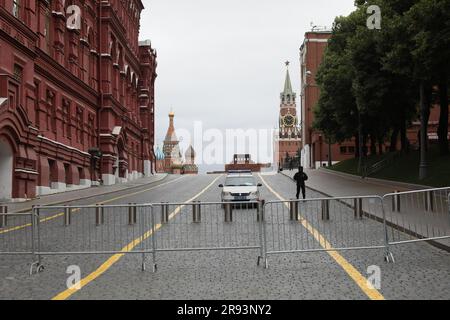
300 177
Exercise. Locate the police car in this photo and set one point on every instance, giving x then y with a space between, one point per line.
240 186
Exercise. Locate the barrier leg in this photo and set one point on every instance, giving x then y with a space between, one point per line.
99 216
260 220
154 244
197 212
37 266
67 216
396 204
293 211
260 211
228 212
388 256
131 214
264 233
429 201
325 210
165 213
142 212
3 217
358 207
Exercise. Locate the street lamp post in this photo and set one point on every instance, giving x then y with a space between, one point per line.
330 159
307 131
361 144
424 113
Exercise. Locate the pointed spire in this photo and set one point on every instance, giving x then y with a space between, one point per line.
288 95
171 135
190 155
287 82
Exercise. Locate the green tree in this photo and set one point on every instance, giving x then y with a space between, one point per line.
336 112
420 51
383 79
384 99
430 29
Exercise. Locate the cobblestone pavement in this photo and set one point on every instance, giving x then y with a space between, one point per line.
421 271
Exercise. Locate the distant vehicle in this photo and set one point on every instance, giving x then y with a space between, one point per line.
240 186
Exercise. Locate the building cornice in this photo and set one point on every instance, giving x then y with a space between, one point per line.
59 144
18 25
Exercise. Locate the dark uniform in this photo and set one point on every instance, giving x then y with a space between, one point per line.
301 177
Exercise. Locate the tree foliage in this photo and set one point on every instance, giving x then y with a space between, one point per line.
374 83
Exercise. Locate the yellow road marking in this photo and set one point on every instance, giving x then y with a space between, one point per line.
354 274
104 202
115 258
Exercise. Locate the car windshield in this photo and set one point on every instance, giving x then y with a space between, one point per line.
240 182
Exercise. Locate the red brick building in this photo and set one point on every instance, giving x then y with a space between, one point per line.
76 95
315 150
288 142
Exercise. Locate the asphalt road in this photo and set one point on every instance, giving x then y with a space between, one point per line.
420 272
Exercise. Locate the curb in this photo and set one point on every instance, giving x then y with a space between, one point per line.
407 185
434 243
315 190
93 196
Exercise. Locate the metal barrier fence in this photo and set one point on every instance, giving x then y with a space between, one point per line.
93 230
17 235
14 238
275 227
207 226
325 224
146 229
415 216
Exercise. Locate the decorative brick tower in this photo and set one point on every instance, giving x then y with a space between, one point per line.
190 167
289 135
171 149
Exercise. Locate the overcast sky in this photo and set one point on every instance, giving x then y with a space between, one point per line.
222 61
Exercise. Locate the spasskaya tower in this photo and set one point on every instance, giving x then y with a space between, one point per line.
289 134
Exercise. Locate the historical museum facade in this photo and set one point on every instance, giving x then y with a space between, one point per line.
288 140
76 96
